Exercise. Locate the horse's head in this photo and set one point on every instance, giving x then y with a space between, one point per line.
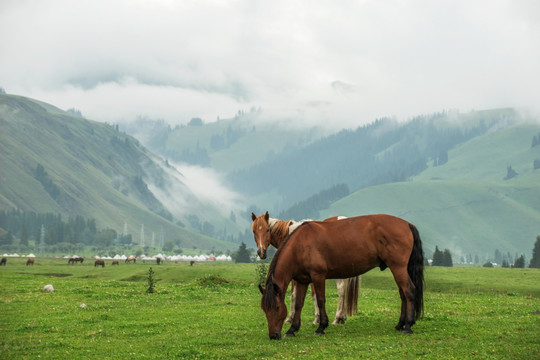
274 307
261 233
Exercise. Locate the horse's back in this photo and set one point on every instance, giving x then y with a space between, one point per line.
362 242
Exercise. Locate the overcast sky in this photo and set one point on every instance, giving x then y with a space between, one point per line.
340 62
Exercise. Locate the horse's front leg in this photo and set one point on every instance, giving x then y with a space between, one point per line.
319 284
315 306
293 301
301 290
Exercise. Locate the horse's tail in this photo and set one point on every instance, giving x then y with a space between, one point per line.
415 268
351 297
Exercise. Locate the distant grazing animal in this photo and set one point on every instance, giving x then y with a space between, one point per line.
3 261
30 261
73 260
268 231
115 262
99 262
319 250
191 263
158 260
131 258
48 288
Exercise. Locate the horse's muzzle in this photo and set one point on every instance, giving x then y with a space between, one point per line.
262 253
275 336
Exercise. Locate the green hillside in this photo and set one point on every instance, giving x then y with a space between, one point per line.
88 169
466 205
225 145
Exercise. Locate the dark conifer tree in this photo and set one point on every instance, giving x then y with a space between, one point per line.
242 255
535 261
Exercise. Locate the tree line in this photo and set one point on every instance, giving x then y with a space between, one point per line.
28 231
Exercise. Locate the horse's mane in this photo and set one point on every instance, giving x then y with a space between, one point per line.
279 228
268 300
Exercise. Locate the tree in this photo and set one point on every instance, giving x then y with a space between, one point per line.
510 173
535 261
242 255
520 262
447 258
437 257
168 245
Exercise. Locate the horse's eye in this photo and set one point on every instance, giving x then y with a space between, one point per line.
267 230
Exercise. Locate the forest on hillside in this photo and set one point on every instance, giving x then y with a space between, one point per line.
378 153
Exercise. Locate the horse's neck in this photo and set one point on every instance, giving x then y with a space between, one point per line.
279 230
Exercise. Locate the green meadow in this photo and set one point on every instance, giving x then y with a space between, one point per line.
211 311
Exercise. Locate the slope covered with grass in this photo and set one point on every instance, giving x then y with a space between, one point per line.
466 205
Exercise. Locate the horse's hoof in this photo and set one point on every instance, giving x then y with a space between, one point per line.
338 321
407 331
289 335
317 333
288 321
315 322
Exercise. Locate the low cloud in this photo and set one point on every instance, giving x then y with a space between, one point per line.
356 61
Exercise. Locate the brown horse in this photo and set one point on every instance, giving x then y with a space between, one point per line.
73 260
268 231
99 263
30 261
115 262
3 261
317 251
130 259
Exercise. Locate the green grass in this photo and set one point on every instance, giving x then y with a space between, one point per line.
211 310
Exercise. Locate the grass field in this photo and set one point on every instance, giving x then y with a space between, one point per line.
469 313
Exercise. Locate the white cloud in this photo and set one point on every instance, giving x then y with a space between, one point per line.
349 62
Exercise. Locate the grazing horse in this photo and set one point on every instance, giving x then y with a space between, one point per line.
73 260
317 251
30 261
158 260
115 262
99 262
131 258
3 261
268 231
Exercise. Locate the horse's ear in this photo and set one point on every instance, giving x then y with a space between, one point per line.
266 216
261 289
253 216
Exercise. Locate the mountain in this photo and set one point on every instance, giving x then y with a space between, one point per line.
468 204
58 162
450 173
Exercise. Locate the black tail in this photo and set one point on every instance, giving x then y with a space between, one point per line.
415 268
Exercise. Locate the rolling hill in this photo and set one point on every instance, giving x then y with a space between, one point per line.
53 161
466 204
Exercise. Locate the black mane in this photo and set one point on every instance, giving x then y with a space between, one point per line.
268 300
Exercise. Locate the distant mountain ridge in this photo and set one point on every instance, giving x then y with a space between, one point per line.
53 161
445 172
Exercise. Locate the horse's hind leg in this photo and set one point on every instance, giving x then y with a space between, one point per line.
406 292
301 290
341 315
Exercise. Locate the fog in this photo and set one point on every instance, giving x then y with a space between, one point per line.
347 62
